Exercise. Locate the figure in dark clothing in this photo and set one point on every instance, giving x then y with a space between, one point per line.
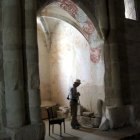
74 97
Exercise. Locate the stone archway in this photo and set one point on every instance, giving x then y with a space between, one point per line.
95 87
107 25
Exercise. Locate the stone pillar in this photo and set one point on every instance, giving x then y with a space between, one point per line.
1 69
13 63
32 61
1 73
103 17
112 58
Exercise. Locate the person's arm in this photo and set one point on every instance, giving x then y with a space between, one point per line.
68 97
78 93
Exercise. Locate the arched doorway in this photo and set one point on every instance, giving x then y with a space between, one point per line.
61 20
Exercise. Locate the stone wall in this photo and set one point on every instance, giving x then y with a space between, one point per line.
1 69
14 61
2 95
133 49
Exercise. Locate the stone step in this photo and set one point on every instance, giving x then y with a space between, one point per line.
4 136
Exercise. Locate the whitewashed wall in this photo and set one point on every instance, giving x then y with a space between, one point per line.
44 65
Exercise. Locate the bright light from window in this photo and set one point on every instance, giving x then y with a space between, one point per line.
130 11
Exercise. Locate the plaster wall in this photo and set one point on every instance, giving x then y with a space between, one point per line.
44 65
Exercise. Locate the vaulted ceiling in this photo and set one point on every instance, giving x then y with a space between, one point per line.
88 6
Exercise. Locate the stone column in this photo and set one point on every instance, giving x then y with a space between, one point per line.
112 58
32 61
1 73
13 63
103 17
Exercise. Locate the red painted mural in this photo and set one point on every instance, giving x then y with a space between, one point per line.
95 54
68 6
72 9
86 25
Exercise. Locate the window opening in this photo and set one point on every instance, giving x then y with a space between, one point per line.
130 10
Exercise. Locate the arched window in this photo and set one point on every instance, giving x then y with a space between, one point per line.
130 10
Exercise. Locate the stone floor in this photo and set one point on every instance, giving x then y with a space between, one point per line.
127 133
92 133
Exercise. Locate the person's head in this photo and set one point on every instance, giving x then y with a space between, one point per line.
77 83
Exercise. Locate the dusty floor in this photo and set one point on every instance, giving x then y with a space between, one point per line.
88 133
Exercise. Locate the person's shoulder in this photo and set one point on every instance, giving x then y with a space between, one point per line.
71 88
